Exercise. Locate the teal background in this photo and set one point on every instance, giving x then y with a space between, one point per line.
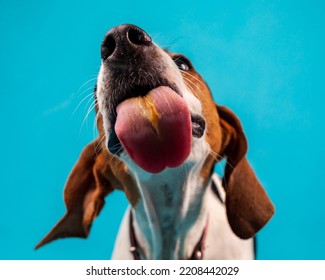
262 59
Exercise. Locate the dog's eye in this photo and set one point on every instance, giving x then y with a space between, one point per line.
182 63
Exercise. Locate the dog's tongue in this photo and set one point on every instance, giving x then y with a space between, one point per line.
155 129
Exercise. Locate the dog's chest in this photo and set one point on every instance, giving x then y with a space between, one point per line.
220 243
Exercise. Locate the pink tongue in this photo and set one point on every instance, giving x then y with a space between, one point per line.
155 130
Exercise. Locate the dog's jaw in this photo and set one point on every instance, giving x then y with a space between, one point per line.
170 201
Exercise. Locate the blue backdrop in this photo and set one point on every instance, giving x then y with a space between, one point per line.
263 60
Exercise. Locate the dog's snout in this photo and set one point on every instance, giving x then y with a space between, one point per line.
124 40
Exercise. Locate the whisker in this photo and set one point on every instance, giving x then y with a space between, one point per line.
91 107
191 75
116 145
155 37
87 82
90 99
91 88
194 84
95 122
191 87
195 93
99 147
119 158
216 156
87 96
219 158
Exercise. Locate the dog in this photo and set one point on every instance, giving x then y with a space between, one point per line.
160 136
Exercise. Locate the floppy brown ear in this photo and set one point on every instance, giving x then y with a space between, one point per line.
84 194
248 206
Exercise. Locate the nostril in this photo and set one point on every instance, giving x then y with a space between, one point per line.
138 37
108 47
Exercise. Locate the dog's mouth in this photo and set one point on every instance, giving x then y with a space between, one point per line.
155 129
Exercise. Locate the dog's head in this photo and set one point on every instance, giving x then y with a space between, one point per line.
155 112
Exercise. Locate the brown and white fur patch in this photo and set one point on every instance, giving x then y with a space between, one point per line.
173 208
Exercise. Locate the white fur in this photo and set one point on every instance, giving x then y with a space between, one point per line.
221 242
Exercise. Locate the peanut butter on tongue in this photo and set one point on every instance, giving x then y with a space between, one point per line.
149 111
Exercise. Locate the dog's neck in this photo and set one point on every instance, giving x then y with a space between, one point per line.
170 217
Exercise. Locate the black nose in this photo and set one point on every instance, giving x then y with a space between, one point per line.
124 40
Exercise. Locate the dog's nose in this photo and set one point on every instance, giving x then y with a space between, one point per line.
123 40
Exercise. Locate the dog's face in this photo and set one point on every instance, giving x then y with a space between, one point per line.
153 104
156 113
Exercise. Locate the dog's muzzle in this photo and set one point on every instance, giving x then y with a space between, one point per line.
149 118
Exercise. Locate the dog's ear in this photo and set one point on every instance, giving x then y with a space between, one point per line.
247 204
88 184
